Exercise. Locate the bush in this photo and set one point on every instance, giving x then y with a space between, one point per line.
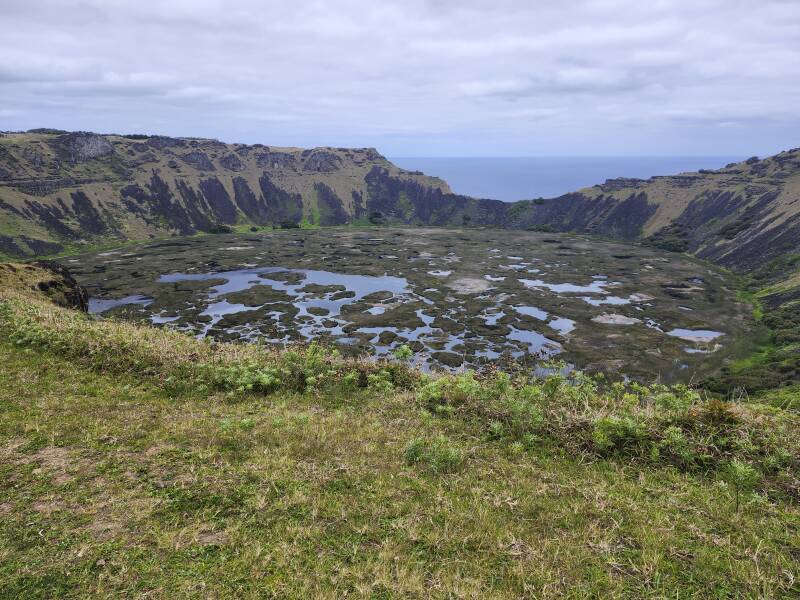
675 447
742 477
220 228
716 413
380 382
403 352
618 434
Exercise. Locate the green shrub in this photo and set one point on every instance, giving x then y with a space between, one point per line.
675 446
403 352
455 390
380 382
742 477
521 416
717 413
677 399
618 434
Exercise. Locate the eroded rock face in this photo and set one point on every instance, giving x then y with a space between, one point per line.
9 246
82 146
198 160
34 158
232 162
322 161
275 160
62 288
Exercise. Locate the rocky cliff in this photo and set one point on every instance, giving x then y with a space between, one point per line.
59 188
742 216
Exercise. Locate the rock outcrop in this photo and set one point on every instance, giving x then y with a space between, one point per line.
81 146
48 278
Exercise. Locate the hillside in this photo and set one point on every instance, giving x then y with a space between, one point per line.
139 462
740 216
62 189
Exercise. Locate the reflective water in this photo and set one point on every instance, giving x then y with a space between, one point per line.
695 335
101 305
454 297
595 287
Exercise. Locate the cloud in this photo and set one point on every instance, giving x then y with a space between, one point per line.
511 76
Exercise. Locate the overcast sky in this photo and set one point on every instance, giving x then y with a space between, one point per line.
414 77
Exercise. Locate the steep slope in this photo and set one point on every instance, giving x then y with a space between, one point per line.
741 216
58 188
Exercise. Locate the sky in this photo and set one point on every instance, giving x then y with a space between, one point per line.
414 77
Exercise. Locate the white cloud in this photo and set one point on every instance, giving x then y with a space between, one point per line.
413 76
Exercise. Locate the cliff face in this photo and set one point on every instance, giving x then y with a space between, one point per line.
59 187
741 216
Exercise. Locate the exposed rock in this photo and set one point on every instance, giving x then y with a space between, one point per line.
331 207
621 183
81 146
275 160
63 289
199 160
322 161
34 158
43 187
615 319
9 246
218 200
161 142
42 247
232 162
88 216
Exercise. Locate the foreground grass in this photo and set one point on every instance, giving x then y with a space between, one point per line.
112 487
134 462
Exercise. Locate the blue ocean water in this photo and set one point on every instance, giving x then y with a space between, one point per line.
519 178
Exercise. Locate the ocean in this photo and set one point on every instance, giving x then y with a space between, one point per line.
520 178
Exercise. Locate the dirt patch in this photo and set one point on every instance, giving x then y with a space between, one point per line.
57 462
48 508
212 538
9 449
54 460
157 449
103 529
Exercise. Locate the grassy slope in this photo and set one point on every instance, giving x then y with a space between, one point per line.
776 361
117 479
